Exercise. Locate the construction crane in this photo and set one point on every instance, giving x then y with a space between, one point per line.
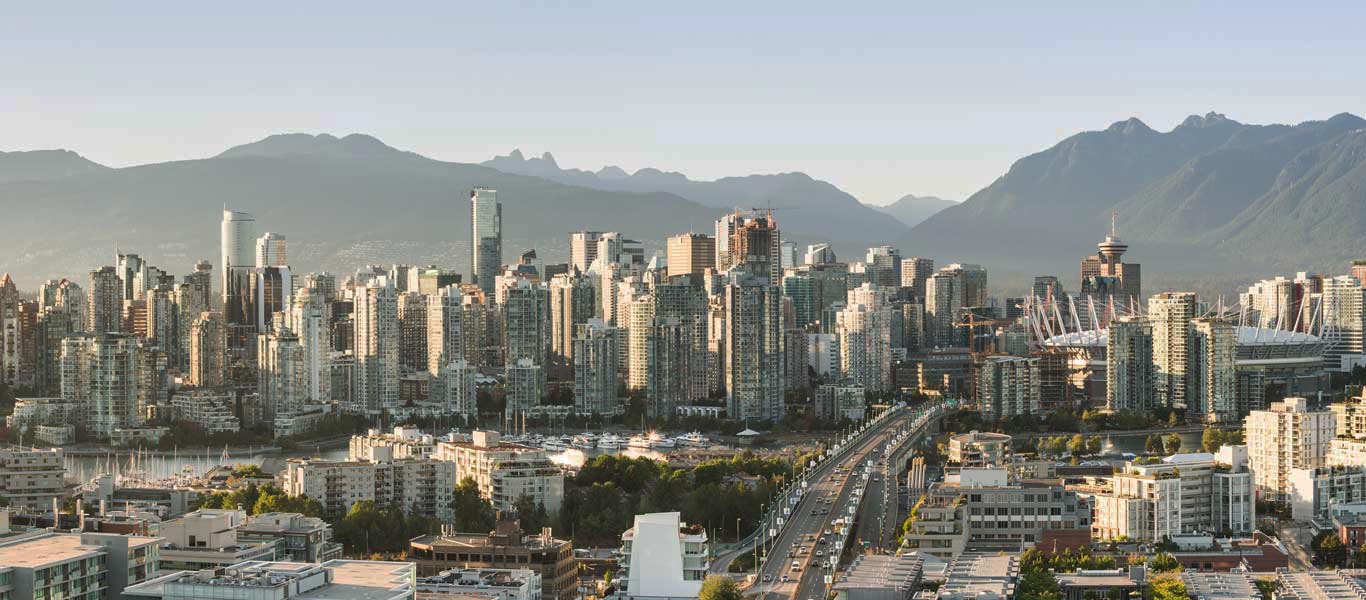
972 322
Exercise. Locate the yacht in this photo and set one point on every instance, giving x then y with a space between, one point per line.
693 439
640 441
611 441
660 442
585 441
554 444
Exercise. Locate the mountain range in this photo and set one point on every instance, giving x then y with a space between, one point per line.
1212 200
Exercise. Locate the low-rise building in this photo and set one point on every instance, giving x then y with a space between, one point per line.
1317 585
982 510
1185 493
424 485
979 449
404 442
505 471
506 547
55 435
257 580
31 412
212 412
879 577
490 584
1313 491
1112 584
1219 586
841 400
661 557
207 539
69 565
975 575
32 478
298 538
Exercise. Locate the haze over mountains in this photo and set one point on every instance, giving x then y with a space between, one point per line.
1211 198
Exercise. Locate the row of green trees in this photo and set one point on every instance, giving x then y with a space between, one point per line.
1162 444
257 500
1077 445
601 500
1214 437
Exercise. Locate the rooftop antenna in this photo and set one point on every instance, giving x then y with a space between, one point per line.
1114 220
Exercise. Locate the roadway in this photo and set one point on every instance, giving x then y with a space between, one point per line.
828 498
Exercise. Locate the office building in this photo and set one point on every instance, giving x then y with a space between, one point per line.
691 254
1110 286
375 347
982 510
662 557
238 260
915 275
505 471
506 547
583 249
1286 436
1129 366
595 369
486 238
270 250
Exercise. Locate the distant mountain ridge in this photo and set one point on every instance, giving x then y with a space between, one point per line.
912 210
1210 195
808 209
38 165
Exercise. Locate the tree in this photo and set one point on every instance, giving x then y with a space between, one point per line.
1332 551
1164 563
717 587
472 512
1153 445
1211 439
1172 419
1172 443
1077 445
1094 445
1168 587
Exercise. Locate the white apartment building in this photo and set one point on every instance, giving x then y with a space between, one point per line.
425 484
823 353
523 386
31 412
977 449
459 390
1008 386
1286 436
210 411
663 558
207 539
375 347
1212 375
404 442
864 329
32 478
100 371
1185 493
1313 491
504 471
840 400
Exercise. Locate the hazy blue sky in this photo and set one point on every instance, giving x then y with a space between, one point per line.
895 99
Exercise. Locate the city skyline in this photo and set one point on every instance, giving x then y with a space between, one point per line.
926 83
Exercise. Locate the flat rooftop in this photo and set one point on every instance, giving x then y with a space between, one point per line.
1219 586
40 550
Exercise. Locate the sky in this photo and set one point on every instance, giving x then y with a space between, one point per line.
880 99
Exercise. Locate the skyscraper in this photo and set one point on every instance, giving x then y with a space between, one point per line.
753 350
943 302
104 312
691 253
270 251
573 301
486 237
376 347
282 373
750 240
864 329
308 319
525 307
1170 314
1108 283
583 249
524 386
238 244
445 338
596 345
241 315
1343 318
883 265
412 326
128 266
1129 365
208 350
1212 375
100 372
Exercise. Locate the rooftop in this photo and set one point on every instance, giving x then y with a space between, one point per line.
1219 586
54 548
